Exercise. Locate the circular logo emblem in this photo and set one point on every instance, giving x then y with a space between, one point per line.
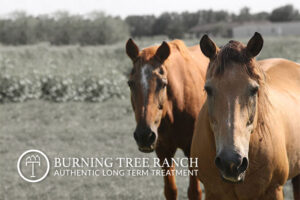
33 166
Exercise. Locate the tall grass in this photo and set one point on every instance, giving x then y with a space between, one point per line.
95 73
62 73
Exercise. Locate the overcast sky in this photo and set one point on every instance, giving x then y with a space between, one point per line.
129 7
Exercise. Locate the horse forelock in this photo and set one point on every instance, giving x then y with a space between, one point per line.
234 52
148 53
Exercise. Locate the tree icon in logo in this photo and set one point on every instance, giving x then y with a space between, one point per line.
33 159
33 166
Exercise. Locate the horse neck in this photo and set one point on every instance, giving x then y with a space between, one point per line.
181 72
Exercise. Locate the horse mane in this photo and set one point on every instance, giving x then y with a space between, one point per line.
235 52
264 103
180 47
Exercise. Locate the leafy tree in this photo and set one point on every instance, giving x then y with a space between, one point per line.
161 23
140 25
284 13
61 28
244 15
190 20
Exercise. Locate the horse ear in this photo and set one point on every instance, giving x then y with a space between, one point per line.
163 52
132 49
255 45
208 47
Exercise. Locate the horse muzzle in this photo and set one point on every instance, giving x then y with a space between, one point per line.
145 138
232 166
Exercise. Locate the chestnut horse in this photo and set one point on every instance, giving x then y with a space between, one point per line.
166 84
248 131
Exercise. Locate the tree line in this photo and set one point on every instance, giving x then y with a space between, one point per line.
62 28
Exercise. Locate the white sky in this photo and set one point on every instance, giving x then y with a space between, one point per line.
129 7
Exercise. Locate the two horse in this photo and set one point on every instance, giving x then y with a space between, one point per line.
248 132
166 84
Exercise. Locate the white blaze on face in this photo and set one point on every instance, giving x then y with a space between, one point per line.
145 74
229 117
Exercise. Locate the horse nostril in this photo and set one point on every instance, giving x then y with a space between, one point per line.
160 106
243 166
152 137
218 163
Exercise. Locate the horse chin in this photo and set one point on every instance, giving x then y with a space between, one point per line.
147 149
235 180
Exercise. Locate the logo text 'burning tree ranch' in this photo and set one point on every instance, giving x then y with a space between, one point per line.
120 166
33 166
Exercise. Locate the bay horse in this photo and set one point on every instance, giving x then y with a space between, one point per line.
166 84
248 130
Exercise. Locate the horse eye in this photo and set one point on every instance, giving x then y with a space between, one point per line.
208 90
130 83
253 90
162 83
161 71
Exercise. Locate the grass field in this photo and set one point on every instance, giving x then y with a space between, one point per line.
92 74
73 129
80 128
